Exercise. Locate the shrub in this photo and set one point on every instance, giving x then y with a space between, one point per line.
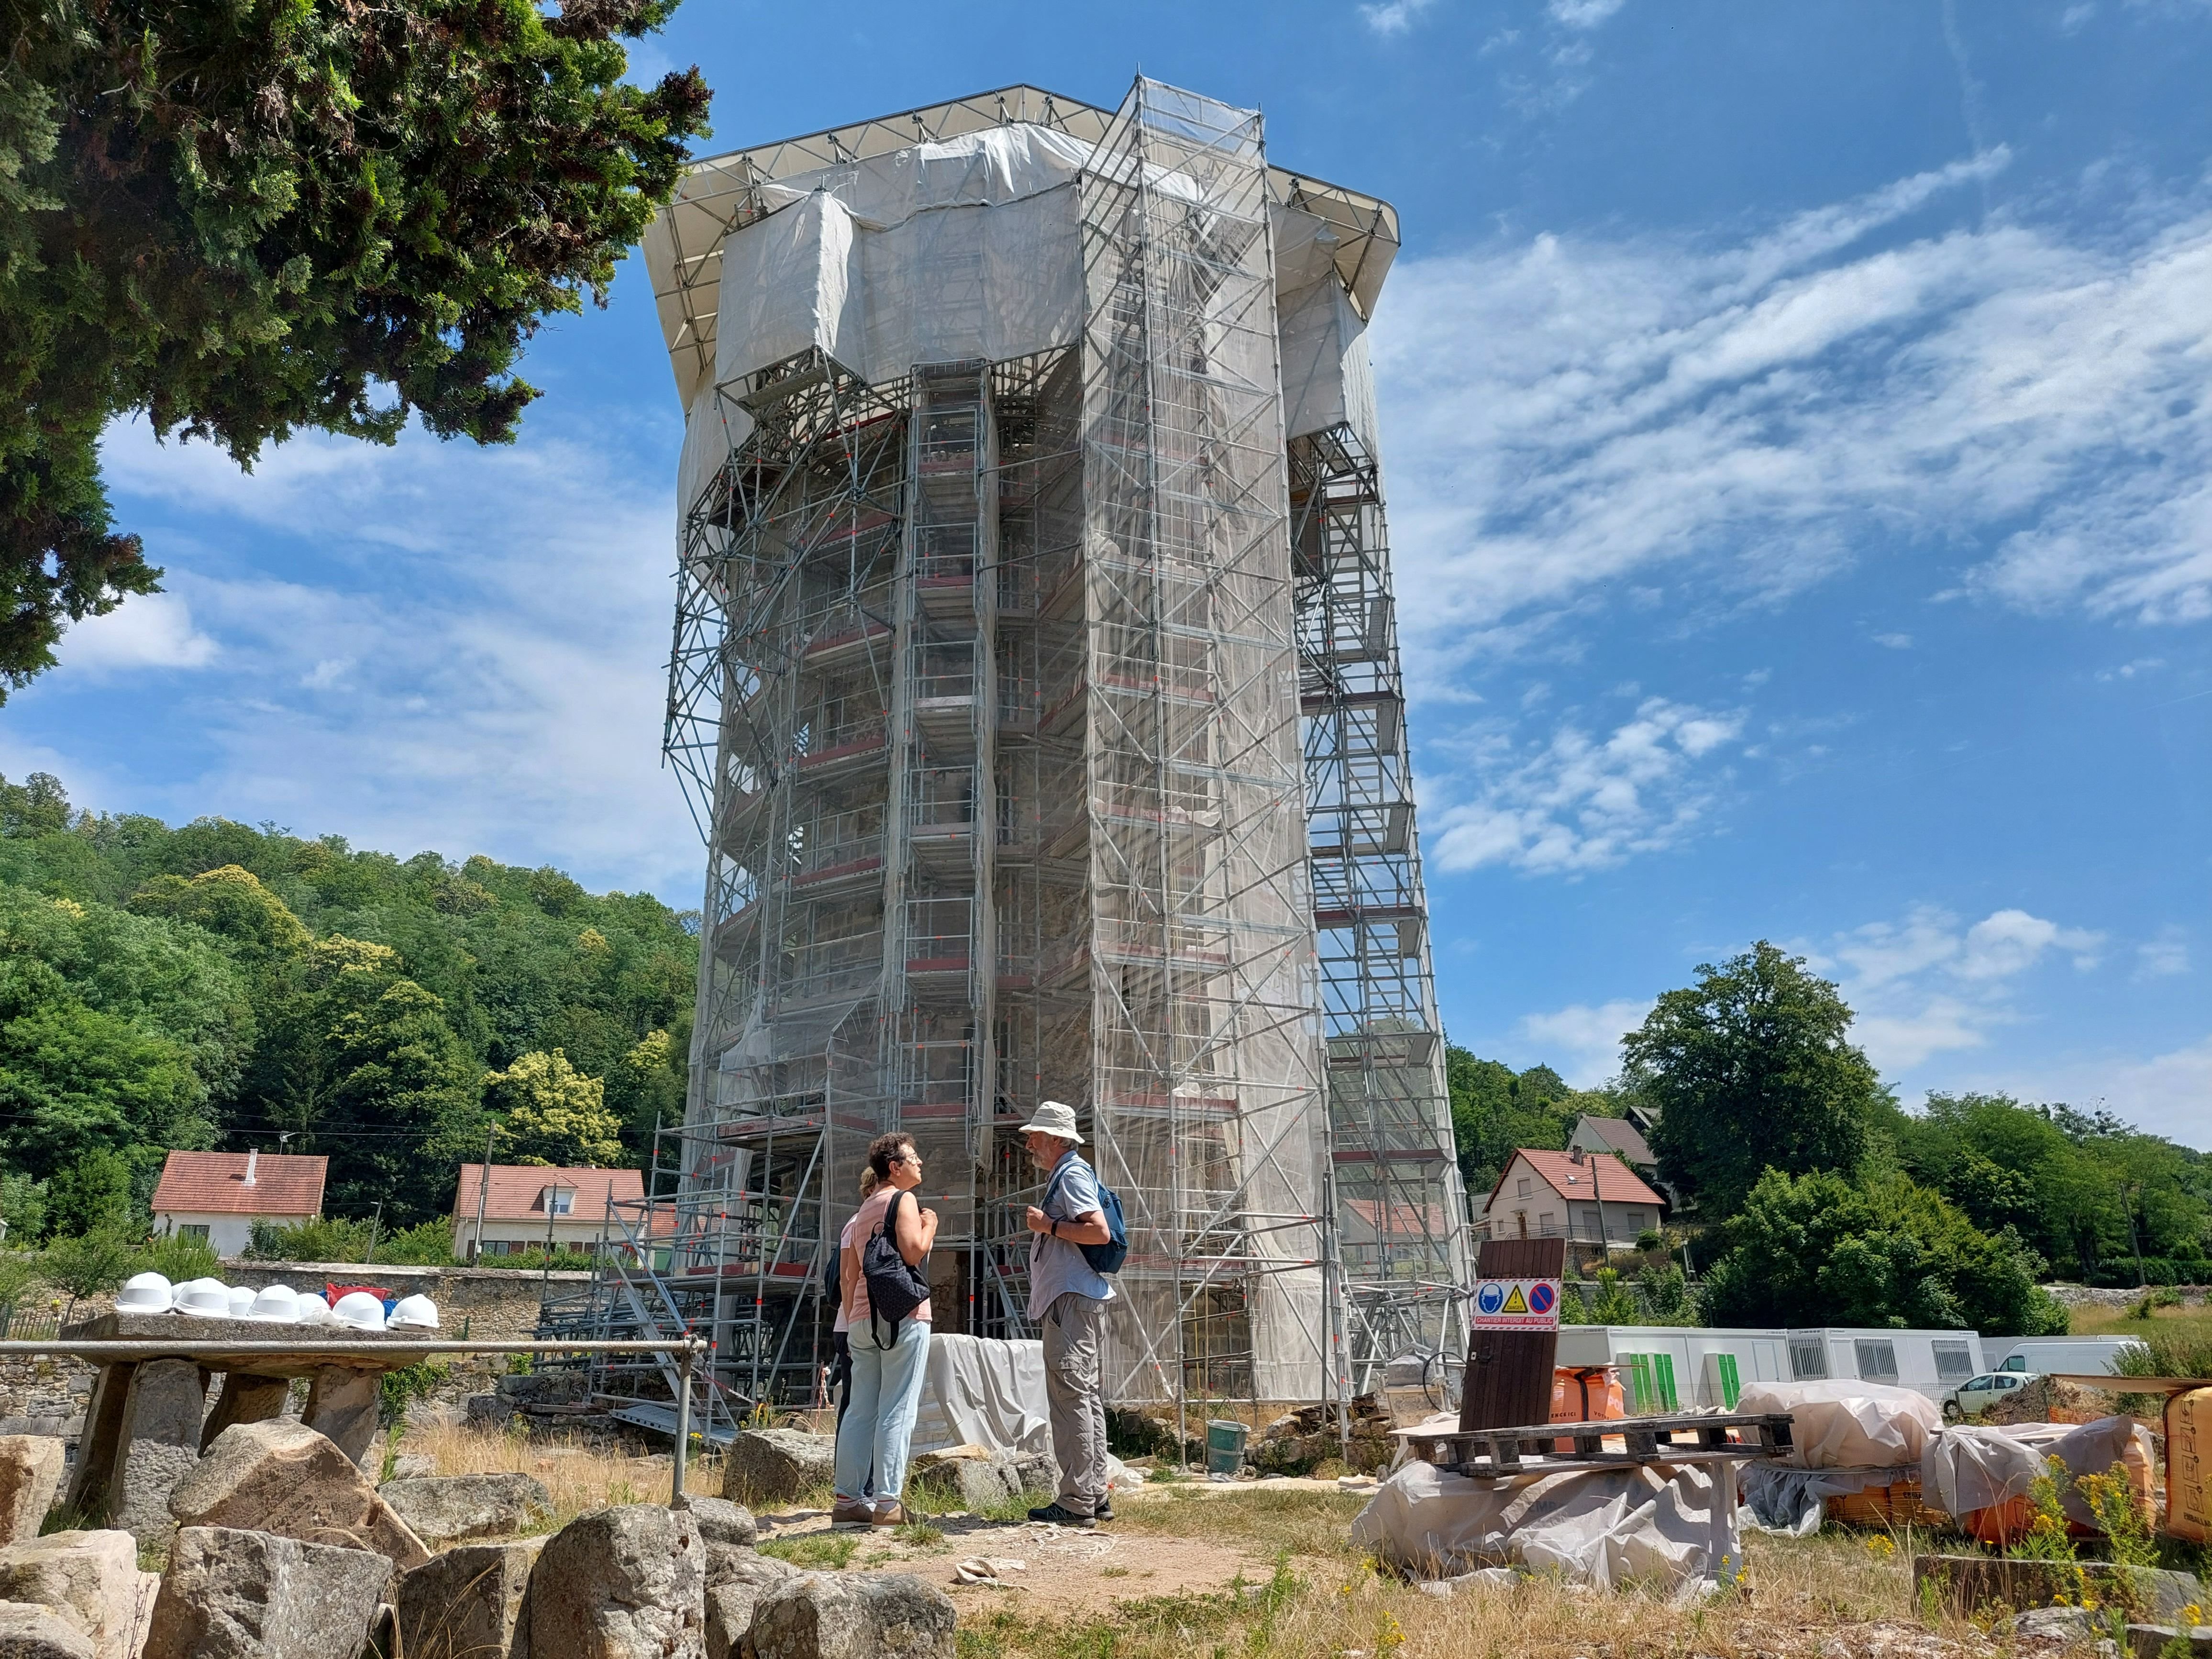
1650 1239
177 1258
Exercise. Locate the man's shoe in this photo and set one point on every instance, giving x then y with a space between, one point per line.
852 1512
1063 1517
889 1513
1104 1511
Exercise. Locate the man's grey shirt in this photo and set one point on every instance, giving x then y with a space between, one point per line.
1057 1267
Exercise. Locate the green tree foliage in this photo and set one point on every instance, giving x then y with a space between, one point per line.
260 982
1888 1253
2086 1191
1751 1070
91 1193
243 218
551 1113
89 1264
1495 1109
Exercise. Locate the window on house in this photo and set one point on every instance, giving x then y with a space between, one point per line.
1589 1222
1520 1189
560 1201
192 1229
1808 1359
1877 1360
1544 1222
1954 1358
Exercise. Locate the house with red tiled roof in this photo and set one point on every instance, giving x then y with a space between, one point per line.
1584 1198
218 1196
513 1208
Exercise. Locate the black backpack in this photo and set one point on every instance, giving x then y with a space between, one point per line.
895 1288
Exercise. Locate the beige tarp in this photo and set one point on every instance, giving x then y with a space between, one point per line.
1851 1424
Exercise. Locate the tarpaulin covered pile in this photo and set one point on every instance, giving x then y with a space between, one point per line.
1602 1527
1981 1475
1847 1436
982 1391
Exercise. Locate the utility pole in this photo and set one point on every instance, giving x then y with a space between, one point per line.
2134 1233
483 1196
1604 1237
376 1226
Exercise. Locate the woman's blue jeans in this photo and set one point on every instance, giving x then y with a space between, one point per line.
879 1423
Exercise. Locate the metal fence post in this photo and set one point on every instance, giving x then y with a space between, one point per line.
682 1421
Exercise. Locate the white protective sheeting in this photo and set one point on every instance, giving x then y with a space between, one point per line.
1601 1527
982 1391
1843 1426
937 254
1970 1467
1327 379
787 285
712 428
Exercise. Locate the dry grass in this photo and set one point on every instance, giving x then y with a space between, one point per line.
580 1477
1799 1598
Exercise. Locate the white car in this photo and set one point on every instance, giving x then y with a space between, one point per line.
1978 1394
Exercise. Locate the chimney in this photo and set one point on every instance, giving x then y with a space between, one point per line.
252 1158
1575 1153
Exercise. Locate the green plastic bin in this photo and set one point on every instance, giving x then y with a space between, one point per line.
1224 1446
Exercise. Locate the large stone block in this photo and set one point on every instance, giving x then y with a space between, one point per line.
31 1470
773 1466
467 1603
28 1631
721 1521
283 1477
736 1581
852 1615
621 1583
159 1442
89 1578
230 1594
453 1509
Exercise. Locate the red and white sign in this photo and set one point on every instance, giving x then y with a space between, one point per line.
1517 1304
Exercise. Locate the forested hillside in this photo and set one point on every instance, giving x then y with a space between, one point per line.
219 986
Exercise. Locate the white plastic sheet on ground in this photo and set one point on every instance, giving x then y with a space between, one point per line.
982 1391
1972 1468
1600 1527
1848 1425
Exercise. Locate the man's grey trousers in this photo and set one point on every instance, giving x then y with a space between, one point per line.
1072 1392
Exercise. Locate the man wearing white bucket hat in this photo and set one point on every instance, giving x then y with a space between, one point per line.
1067 1298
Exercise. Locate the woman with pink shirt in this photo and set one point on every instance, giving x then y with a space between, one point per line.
885 1390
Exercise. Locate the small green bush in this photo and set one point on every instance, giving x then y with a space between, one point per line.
177 1258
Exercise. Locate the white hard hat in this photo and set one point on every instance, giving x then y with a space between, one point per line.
144 1293
242 1301
417 1310
278 1304
208 1299
313 1310
360 1310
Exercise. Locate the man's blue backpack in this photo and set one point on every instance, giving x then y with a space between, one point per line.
1105 1258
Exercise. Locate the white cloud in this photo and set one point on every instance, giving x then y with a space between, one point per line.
1571 418
1393 17
1583 14
1894 642
1582 1042
1927 985
2163 956
465 651
153 630
1583 801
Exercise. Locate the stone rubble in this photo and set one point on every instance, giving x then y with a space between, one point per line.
232 1594
282 1477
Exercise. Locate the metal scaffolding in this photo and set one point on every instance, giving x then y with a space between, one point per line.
1023 644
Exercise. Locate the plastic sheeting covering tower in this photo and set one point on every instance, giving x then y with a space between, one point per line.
1034 617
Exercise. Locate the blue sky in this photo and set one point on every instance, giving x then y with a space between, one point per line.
1798 427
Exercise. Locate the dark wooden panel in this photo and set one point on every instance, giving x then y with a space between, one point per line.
1509 1373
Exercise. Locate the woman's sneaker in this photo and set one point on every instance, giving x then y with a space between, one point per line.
852 1512
1063 1517
889 1514
1104 1511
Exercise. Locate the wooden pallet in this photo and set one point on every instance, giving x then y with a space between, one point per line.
1644 1440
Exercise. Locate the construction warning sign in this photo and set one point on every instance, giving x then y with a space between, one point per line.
1529 1304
